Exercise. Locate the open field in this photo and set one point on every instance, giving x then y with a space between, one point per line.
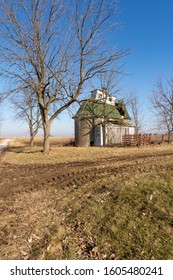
86 203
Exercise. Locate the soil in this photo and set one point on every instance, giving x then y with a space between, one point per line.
31 196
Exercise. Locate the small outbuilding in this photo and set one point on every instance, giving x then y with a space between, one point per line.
102 121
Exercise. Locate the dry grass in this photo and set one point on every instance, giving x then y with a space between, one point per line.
55 141
1 140
61 151
120 219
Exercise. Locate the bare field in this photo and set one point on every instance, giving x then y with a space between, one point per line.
86 203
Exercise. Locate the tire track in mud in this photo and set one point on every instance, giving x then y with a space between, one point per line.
26 178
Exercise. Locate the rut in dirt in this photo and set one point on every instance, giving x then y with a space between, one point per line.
26 178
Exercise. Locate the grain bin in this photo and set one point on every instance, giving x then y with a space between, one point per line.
83 132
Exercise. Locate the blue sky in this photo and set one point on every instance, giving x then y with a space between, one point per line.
147 29
148 32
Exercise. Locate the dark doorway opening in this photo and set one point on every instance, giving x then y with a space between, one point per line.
91 143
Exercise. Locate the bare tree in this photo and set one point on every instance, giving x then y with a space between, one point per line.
162 103
55 50
0 114
135 110
110 81
0 127
27 110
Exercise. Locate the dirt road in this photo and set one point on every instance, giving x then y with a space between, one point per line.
4 144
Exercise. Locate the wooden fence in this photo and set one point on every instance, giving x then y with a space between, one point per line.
136 140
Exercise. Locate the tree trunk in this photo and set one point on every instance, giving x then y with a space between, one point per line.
162 138
31 140
46 141
104 134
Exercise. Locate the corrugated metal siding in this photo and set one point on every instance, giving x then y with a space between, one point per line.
82 132
98 136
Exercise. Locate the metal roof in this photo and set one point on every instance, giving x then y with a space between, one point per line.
97 109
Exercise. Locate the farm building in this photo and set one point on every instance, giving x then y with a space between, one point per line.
101 120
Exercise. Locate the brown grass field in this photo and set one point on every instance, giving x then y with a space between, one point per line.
86 203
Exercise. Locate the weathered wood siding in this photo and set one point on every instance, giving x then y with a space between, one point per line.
114 133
